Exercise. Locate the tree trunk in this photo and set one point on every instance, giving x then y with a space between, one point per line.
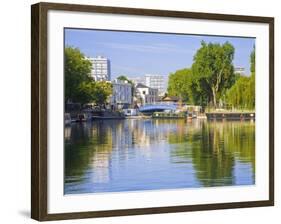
214 97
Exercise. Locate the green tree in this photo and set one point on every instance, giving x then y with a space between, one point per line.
179 84
242 94
253 78
212 70
101 91
238 95
79 85
77 75
253 60
86 91
124 78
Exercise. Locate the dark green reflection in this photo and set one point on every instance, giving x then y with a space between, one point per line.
106 156
84 142
216 147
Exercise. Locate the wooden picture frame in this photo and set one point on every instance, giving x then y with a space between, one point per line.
39 109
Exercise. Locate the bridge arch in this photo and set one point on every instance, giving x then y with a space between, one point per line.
151 108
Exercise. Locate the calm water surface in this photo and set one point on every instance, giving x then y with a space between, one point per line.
132 155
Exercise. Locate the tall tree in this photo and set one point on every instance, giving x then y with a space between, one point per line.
94 92
239 95
80 87
179 84
213 69
242 94
253 78
253 60
77 72
101 91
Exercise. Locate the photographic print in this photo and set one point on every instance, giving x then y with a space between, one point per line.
154 111
141 111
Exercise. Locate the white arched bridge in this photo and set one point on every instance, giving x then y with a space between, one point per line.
151 108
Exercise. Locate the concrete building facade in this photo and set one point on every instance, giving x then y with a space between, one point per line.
100 68
156 82
121 94
145 94
153 81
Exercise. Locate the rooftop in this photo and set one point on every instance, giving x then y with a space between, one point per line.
170 98
140 85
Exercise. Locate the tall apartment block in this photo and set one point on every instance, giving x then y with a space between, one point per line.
100 68
156 82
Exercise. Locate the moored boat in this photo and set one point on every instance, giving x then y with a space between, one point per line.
107 117
81 118
67 119
169 115
231 115
191 116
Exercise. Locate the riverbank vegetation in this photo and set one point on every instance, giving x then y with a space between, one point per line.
211 80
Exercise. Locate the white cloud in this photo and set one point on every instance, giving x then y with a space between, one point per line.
152 48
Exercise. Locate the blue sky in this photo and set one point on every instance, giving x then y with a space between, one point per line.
137 53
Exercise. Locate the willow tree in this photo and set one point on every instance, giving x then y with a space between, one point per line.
242 94
213 69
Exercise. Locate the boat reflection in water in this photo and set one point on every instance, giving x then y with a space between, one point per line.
150 154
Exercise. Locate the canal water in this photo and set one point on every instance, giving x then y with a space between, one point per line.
140 154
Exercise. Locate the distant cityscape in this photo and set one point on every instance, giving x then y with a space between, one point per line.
137 90
141 90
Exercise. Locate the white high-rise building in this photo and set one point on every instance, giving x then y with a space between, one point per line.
100 68
156 82
151 80
239 70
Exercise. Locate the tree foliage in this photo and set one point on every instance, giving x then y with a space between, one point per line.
213 71
211 79
94 92
253 60
77 74
80 87
242 94
101 91
179 84
184 84
124 78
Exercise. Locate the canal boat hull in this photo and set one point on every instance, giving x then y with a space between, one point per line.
107 118
168 115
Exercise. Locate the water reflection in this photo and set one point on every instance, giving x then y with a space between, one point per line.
127 155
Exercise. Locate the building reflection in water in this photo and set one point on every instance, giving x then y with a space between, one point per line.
130 154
